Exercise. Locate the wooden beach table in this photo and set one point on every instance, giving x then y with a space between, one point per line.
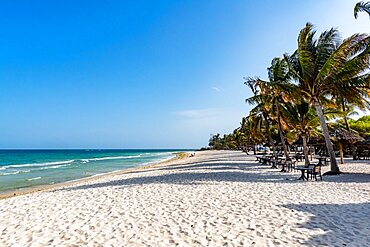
288 165
323 160
303 171
275 162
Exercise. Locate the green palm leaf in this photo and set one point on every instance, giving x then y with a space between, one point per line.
361 7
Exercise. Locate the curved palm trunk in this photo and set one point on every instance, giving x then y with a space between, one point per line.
353 149
282 137
345 116
341 153
273 146
334 169
270 137
305 151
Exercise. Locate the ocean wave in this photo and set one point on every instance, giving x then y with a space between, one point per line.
110 158
39 164
159 154
53 167
36 178
13 173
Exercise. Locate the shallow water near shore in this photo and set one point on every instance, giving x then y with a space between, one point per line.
21 169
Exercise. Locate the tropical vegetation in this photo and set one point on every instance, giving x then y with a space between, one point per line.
307 94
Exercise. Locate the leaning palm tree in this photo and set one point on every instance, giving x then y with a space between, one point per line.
361 7
346 110
326 66
269 95
302 121
260 114
254 128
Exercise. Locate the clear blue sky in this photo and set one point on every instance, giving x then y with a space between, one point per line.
142 74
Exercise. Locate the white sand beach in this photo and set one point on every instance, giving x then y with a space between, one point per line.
217 198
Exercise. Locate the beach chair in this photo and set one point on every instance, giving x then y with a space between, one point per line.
274 163
265 160
291 165
298 157
316 171
259 159
287 165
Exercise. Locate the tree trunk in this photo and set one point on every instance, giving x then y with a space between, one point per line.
353 150
334 169
345 116
352 147
270 137
282 137
305 151
341 153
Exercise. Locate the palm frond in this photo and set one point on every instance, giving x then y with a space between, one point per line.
361 7
306 51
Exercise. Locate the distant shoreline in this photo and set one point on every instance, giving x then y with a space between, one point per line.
48 187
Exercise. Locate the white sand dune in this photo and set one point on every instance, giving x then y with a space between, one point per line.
217 198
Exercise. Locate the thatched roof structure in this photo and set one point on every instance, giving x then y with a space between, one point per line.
364 143
343 135
314 141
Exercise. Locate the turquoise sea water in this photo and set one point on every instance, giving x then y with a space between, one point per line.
27 168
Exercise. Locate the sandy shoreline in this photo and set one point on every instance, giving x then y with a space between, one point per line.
24 191
217 198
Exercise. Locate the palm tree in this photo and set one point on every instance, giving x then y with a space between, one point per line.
215 142
249 132
260 114
361 7
326 66
302 121
254 131
242 136
346 110
269 95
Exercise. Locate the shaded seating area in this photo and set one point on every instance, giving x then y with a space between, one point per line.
310 172
295 163
346 139
362 150
363 153
291 165
288 165
317 155
315 172
323 160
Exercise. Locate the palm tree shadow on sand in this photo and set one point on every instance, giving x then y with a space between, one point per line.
342 224
199 173
184 178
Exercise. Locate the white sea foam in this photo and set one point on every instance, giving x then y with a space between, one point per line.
40 164
36 178
110 158
54 167
160 154
13 173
